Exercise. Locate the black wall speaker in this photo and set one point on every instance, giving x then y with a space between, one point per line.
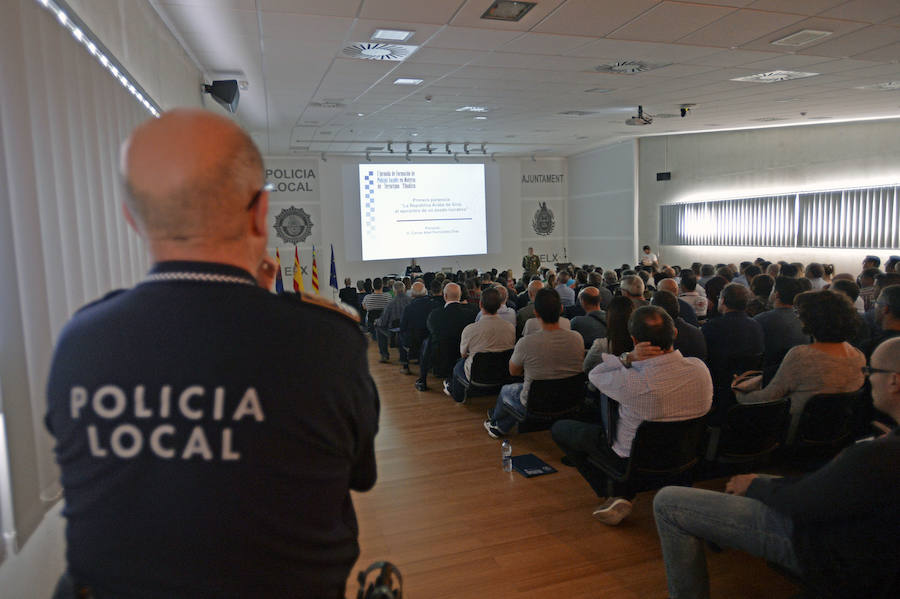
225 92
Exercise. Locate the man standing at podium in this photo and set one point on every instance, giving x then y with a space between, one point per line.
531 263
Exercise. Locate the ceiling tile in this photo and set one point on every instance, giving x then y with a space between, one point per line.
627 50
837 27
870 11
420 11
304 28
431 55
535 61
858 42
545 43
242 4
332 8
740 27
470 16
363 29
732 58
800 7
593 17
889 53
466 38
220 22
668 22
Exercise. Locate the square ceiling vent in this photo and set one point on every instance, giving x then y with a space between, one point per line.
628 67
775 76
379 51
802 38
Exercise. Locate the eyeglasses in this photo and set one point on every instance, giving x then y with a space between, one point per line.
257 195
869 371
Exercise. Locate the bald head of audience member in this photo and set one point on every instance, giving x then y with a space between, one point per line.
418 289
668 285
886 378
533 288
590 299
452 292
195 189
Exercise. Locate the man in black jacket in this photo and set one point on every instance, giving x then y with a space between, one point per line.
836 528
414 327
349 294
445 328
689 340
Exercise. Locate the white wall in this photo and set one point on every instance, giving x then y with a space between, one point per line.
601 206
32 573
747 163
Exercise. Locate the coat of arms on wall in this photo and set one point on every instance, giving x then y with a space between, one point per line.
543 221
293 225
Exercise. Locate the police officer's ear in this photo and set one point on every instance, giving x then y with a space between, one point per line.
259 214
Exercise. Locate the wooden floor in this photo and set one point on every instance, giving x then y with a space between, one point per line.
458 526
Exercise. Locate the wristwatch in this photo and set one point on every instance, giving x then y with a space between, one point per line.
626 361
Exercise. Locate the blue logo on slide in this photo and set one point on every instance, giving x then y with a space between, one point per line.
368 189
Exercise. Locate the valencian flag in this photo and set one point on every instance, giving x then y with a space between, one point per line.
279 283
315 273
298 275
332 280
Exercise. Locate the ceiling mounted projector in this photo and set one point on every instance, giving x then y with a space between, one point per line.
225 92
640 119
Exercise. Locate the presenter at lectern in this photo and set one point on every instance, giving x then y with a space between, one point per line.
413 268
531 263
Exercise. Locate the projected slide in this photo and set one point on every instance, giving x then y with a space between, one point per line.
420 210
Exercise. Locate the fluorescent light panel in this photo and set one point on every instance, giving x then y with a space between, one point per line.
407 81
392 35
84 37
472 109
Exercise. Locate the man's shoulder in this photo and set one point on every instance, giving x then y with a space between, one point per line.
323 306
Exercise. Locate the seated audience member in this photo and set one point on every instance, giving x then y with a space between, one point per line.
525 314
593 324
685 309
377 300
390 319
550 280
887 316
773 270
445 327
744 277
789 270
891 264
726 272
827 365
611 281
414 328
815 272
846 284
504 311
835 529
617 340
533 325
595 279
781 328
566 294
413 323
581 281
707 272
689 339
349 295
551 353
871 262
730 338
692 293
805 284
489 333
165 499
713 288
761 287
867 286
632 287
653 382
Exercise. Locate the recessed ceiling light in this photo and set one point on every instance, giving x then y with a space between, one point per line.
414 134
392 35
472 109
507 10
407 81
379 51
801 38
480 118
775 76
360 114
885 86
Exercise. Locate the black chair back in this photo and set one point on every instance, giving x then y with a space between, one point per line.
666 448
490 368
722 376
751 431
553 398
828 420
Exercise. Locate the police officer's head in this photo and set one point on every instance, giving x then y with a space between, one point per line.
195 189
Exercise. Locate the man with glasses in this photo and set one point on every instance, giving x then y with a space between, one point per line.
206 447
836 528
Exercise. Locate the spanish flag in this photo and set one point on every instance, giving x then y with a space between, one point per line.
315 273
298 275
279 283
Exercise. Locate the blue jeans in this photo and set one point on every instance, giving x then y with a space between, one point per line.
509 410
686 517
459 372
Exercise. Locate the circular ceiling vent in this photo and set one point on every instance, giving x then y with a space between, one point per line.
378 51
627 67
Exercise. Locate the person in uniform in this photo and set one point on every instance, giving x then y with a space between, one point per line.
531 263
206 445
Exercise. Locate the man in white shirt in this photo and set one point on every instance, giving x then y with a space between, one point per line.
647 258
489 333
653 382
504 311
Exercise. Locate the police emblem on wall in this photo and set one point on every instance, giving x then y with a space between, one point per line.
293 225
543 221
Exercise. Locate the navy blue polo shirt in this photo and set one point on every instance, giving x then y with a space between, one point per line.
208 434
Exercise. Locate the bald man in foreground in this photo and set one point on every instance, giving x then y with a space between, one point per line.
835 528
204 451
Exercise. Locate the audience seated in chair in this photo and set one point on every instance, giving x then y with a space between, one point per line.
834 529
551 353
827 365
781 328
592 325
490 333
685 310
390 319
414 328
690 340
525 314
504 311
445 327
653 382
